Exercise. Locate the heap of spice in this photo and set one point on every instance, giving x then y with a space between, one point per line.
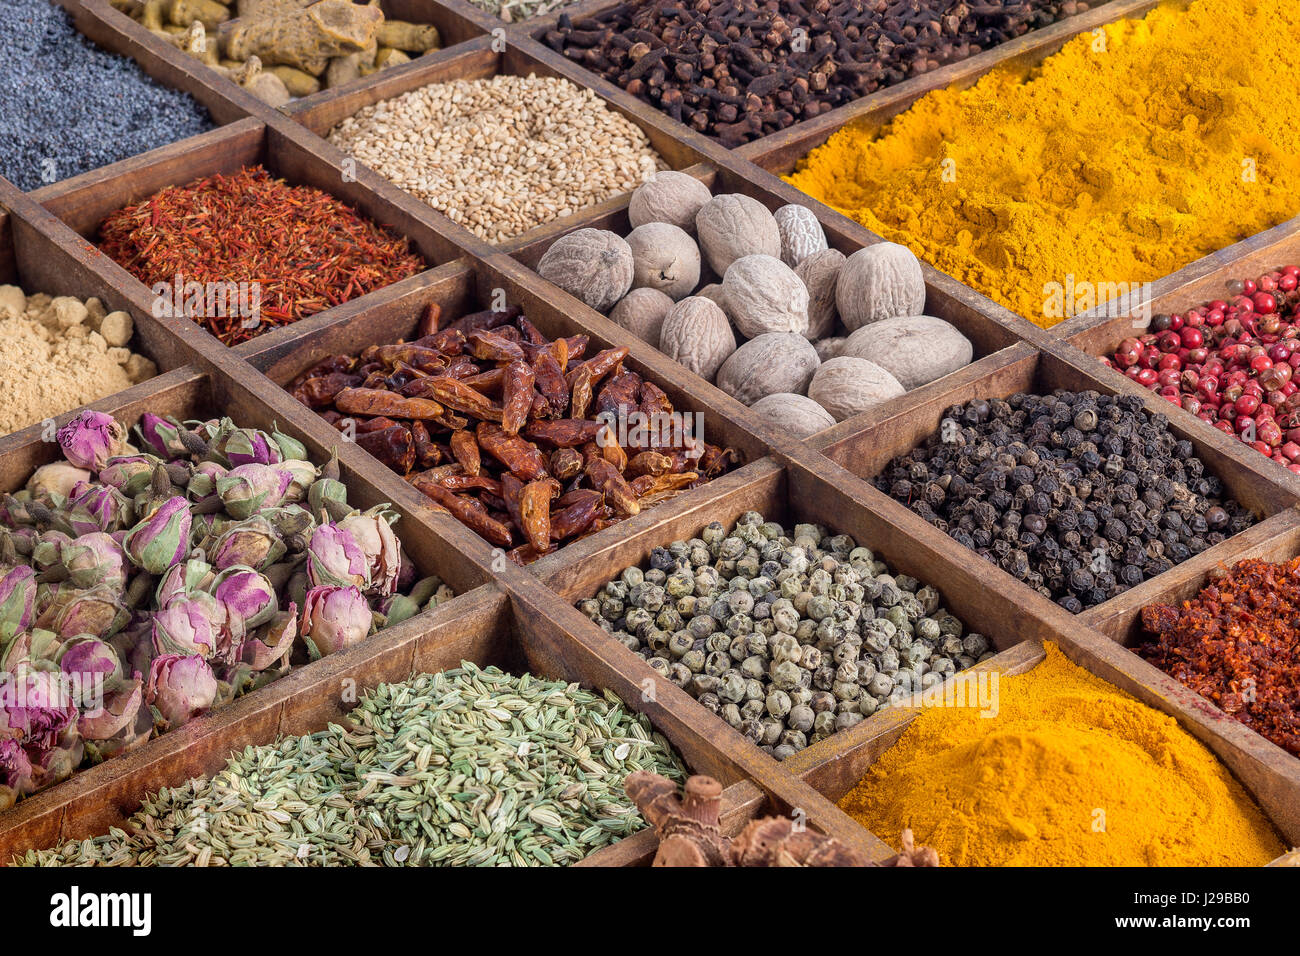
1079 495
1237 643
788 636
1230 362
141 587
280 49
741 69
68 106
503 154
1070 771
294 250
468 767
510 432
58 353
1130 153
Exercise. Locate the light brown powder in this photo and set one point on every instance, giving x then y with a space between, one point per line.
57 354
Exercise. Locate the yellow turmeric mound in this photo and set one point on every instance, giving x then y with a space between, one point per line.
1071 772
1133 151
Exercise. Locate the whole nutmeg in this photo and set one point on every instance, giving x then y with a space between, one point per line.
642 312
882 281
764 295
796 415
664 257
820 273
915 349
846 386
801 233
732 226
768 363
696 334
828 349
593 265
670 197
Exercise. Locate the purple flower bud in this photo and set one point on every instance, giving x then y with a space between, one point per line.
117 712
47 552
97 611
245 446
182 580
56 480
85 657
98 508
17 601
248 489
202 489
162 435
269 646
290 448
374 535
192 625
334 619
161 539
302 475
92 438
129 474
334 558
248 596
182 688
15 772
93 559
253 543
36 707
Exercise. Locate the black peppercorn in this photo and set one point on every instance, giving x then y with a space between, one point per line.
1079 495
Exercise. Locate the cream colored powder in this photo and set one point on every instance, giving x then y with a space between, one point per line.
57 354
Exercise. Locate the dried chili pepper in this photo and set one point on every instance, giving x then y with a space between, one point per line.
488 418
1237 644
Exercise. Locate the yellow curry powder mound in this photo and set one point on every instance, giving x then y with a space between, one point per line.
1130 153
1071 772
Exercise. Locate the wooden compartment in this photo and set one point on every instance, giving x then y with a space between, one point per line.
479 59
470 286
188 393
36 256
482 627
1273 785
82 204
988 331
454 26
1098 332
884 436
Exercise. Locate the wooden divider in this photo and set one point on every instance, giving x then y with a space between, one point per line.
525 617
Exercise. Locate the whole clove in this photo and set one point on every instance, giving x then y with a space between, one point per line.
738 70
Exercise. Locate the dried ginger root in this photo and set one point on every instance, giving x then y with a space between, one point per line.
690 832
306 39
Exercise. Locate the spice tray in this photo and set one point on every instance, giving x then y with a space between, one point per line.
524 617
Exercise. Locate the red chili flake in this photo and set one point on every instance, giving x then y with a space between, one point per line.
1237 643
306 250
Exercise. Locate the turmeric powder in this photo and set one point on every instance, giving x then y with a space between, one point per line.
1071 771
1136 149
